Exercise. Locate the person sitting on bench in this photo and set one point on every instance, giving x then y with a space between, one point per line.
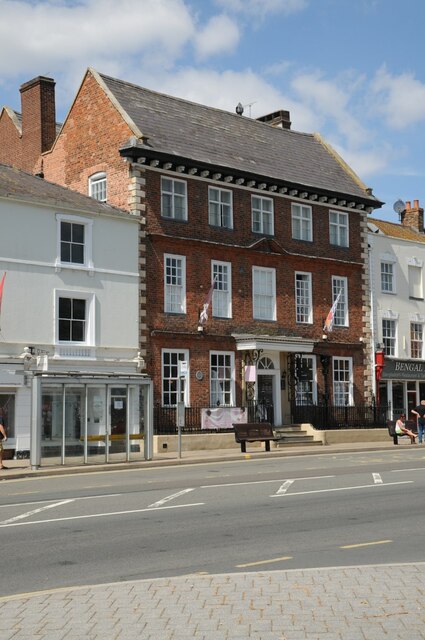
401 429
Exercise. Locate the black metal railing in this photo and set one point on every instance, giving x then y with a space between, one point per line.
321 416
325 416
165 418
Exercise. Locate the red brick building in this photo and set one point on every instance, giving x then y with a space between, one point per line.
271 218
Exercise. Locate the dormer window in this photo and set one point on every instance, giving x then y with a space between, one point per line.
97 186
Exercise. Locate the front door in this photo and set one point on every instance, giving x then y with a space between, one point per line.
265 398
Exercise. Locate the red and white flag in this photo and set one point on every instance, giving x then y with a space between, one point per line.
1 288
329 322
203 316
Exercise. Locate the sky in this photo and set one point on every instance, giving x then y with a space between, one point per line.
352 70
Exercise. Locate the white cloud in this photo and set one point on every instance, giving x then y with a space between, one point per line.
332 101
400 99
220 35
262 8
45 36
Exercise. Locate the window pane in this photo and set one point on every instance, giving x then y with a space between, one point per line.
79 309
64 307
66 231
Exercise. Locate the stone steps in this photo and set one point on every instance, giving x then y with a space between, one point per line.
294 435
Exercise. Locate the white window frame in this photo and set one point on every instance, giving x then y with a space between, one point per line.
170 307
341 311
302 222
69 348
223 207
173 198
339 228
389 338
177 384
271 294
347 391
418 271
306 278
88 241
388 277
222 296
229 381
259 214
417 337
98 186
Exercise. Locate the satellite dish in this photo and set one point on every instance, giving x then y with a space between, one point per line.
399 206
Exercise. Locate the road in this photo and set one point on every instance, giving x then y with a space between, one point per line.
277 513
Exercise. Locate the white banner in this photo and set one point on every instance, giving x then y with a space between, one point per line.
223 417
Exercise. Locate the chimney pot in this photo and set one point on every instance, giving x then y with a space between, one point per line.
416 204
407 205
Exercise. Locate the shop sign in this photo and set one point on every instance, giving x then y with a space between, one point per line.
404 370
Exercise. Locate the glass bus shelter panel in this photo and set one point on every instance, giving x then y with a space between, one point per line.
118 419
96 433
138 401
51 425
75 419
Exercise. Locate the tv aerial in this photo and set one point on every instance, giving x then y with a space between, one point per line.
399 206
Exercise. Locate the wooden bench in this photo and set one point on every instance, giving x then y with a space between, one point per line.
410 424
254 432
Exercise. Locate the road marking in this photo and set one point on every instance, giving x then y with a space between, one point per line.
365 544
100 515
377 478
22 493
241 484
255 564
284 488
361 486
34 511
23 504
168 498
404 470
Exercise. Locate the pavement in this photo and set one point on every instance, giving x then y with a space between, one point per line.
336 603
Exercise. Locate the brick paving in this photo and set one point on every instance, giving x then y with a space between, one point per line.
349 603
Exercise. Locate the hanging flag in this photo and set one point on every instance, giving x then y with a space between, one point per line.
203 316
329 322
1 289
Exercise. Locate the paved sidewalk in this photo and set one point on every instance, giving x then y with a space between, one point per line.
350 603
21 468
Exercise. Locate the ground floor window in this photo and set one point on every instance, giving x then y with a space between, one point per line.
343 381
222 379
305 387
174 386
7 413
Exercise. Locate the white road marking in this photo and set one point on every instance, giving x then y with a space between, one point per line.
24 504
34 511
361 486
100 515
284 488
377 478
241 484
168 498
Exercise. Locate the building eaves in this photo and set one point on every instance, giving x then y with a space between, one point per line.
399 231
25 187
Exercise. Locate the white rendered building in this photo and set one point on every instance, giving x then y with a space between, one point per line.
69 324
397 262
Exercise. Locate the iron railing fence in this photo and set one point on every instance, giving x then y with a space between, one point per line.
359 416
165 418
321 416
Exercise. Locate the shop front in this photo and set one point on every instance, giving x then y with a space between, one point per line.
402 385
82 418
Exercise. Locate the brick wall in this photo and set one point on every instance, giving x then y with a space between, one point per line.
10 141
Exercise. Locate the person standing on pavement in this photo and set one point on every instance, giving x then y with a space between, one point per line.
419 411
3 439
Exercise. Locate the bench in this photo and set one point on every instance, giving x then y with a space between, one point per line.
254 432
410 424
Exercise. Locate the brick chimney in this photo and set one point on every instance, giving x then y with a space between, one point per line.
38 119
280 119
413 216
